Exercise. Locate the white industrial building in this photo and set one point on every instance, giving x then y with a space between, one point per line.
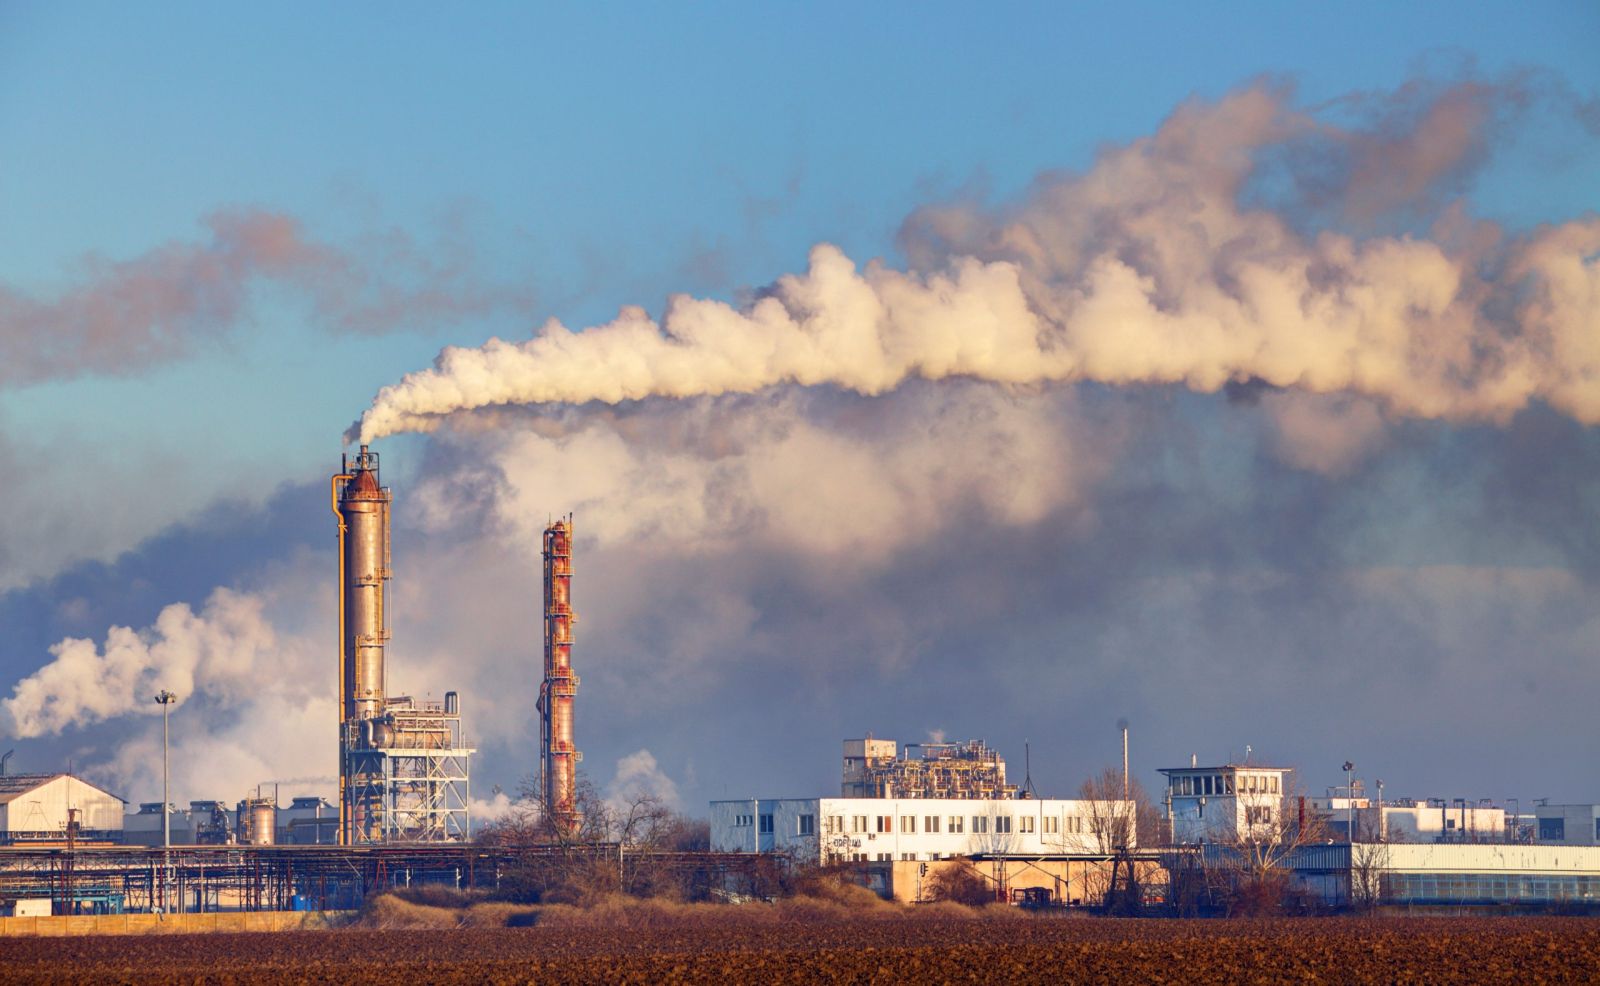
1455 874
36 808
891 829
1410 820
1567 825
1217 804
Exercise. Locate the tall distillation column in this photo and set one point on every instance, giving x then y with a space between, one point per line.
363 509
558 757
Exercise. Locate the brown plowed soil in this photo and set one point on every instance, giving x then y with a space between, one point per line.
1055 950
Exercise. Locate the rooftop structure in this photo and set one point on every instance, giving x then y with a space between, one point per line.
872 769
1211 804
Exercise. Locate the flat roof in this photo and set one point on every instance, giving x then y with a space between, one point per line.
1225 766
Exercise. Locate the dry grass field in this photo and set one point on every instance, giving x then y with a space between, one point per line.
948 946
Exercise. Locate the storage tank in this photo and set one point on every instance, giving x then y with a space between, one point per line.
258 822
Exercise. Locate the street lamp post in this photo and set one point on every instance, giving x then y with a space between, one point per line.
1383 830
1350 802
164 699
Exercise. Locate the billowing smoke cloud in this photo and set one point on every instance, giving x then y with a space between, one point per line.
220 650
125 315
1151 268
250 669
639 776
1010 561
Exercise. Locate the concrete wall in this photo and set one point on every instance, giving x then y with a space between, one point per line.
141 924
1432 858
1076 882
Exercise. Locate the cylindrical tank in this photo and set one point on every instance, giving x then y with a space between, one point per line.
364 507
258 822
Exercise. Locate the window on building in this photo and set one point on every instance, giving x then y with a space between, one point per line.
1257 814
1274 783
957 822
766 823
1188 785
908 823
808 825
1205 784
1552 829
1052 825
858 823
1227 783
980 824
908 855
885 823
1025 824
884 857
1002 824
930 823
835 824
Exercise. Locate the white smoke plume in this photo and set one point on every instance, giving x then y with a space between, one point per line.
1150 268
219 651
640 776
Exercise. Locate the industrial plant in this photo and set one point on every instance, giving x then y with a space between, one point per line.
403 768
404 774
904 814
923 770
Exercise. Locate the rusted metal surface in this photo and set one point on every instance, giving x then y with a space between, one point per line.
557 753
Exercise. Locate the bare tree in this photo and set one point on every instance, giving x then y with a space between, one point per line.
1369 863
1117 813
994 835
957 880
993 832
555 862
1245 860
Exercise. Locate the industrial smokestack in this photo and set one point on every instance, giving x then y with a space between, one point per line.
558 757
362 505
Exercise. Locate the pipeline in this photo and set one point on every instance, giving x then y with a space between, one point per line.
333 497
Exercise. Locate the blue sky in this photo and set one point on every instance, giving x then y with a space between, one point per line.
575 159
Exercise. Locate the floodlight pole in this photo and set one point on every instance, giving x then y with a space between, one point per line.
164 699
1350 802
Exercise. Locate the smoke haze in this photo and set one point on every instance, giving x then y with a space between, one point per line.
123 316
874 499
